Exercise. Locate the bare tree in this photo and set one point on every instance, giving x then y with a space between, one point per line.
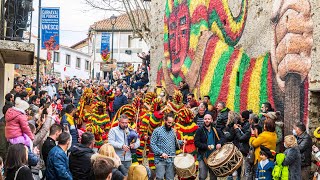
137 11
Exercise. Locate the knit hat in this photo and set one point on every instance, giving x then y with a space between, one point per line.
245 114
21 104
266 151
272 115
290 141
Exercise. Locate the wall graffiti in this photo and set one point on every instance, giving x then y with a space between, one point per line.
199 48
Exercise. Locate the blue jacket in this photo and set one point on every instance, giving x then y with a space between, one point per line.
58 165
32 158
265 173
119 101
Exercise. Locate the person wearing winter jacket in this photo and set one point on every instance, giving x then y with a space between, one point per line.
68 120
293 157
305 147
222 117
80 157
17 129
119 171
58 161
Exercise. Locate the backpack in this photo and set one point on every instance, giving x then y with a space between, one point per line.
280 172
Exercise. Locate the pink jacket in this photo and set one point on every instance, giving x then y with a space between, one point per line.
17 124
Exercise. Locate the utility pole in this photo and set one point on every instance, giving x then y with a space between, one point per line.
38 49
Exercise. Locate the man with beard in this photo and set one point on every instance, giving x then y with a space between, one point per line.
163 144
118 138
207 140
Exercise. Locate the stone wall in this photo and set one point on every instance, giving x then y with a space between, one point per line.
314 75
255 40
157 50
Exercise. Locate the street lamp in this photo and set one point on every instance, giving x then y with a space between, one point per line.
113 19
38 49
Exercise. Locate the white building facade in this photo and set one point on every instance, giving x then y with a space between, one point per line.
125 47
69 63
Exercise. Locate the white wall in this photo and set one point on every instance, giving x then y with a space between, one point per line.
122 42
72 70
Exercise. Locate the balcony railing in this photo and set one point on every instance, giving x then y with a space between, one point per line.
16 20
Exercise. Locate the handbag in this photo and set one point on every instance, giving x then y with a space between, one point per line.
250 155
17 172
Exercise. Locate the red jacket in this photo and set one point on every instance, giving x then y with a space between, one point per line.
17 124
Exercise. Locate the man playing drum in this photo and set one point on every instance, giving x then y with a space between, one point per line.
207 140
163 144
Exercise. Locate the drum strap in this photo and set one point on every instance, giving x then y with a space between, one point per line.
215 131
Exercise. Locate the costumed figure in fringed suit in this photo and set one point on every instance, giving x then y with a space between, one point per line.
86 105
148 98
177 102
106 96
100 123
186 130
150 121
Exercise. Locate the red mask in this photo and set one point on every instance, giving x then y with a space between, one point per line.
179 34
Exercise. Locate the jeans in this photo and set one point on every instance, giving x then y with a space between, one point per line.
164 168
203 171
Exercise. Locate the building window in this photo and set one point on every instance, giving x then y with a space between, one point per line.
87 65
78 63
56 57
68 57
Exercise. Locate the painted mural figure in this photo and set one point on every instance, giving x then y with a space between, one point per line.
199 44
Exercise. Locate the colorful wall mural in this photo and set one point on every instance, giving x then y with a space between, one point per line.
199 48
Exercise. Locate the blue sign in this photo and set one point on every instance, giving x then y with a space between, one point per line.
105 46
50 26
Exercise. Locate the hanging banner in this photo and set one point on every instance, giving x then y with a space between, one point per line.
50 26
105 46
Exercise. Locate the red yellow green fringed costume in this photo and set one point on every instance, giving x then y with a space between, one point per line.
177 102
100 123
106 96
86 106
149 122
186 130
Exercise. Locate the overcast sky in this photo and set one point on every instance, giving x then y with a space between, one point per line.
75 19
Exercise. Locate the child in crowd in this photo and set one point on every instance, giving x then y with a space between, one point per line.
265 166
17 129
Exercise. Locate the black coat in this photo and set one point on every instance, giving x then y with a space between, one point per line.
222 119
185 91
119 173
243 135
23 174
79 161
201 139
293 160
48 144
305 147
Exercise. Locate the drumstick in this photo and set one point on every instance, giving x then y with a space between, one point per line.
184 146
169 156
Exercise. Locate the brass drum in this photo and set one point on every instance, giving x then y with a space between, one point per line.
185 165
225 161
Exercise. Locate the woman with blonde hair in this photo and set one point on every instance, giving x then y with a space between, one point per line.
293 157
119 172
